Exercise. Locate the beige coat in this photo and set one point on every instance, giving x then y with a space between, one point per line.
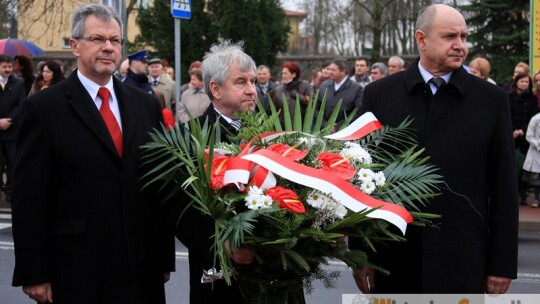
194 103
166 86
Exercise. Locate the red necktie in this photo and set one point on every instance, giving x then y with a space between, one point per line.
109 119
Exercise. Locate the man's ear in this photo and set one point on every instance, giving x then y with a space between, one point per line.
420 37
215 90
74 43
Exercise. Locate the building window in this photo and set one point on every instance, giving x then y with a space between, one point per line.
112 3
65 43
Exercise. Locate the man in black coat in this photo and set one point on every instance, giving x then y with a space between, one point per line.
228 75
85 230
137 73
12 95
465 127
264 85
339 87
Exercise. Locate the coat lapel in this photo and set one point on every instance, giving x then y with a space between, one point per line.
86 109
128 110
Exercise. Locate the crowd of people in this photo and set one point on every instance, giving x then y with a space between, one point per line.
85 230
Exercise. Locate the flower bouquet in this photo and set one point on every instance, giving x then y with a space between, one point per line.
292 190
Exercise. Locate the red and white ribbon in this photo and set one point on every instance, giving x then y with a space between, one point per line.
256 167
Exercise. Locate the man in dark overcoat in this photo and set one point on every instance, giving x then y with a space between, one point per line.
85 230
12 95
465 127
340 87
228 75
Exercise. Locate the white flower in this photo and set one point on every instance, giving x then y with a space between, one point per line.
316 200
379 178
365 175
254 190
256 199
356 153
367 187
266 202
340 211
253 202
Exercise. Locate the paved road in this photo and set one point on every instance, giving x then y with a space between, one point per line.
177 289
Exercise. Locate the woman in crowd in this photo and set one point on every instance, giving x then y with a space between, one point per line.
523 106
24 68
536 86
531 166
290 89
480 67
49 74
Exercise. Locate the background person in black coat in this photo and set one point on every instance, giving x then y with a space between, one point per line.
523 106
339 87
12 95
85 230
466 130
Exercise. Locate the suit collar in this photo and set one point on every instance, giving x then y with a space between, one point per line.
414 80
86 109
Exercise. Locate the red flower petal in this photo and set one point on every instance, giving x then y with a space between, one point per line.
287 199
219 166
336 164
288 151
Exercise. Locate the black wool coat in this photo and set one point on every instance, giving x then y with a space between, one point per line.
196 231
81 219
467 132
11 100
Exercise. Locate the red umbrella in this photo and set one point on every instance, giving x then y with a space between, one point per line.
14 47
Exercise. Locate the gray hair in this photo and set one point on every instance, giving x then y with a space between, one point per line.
263 67
217 63
398 59
381 67
426 18
102 12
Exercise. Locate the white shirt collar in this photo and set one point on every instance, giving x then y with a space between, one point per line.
338 85
427 77
92 87
224 116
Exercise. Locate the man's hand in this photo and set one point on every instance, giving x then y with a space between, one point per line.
365 279
497 285
40 293
5 123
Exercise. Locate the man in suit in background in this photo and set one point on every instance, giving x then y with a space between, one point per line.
264 85
12 95
463 122
340 87
85 230
161 82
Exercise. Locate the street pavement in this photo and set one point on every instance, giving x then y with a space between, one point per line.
177 288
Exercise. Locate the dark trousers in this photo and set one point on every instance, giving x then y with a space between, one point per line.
7 156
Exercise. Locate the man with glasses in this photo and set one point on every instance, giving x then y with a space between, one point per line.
85 230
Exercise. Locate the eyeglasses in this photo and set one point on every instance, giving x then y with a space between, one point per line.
116 42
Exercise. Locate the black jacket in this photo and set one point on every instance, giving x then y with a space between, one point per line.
467 132
11 100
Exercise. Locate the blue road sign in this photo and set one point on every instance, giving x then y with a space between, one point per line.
181 9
